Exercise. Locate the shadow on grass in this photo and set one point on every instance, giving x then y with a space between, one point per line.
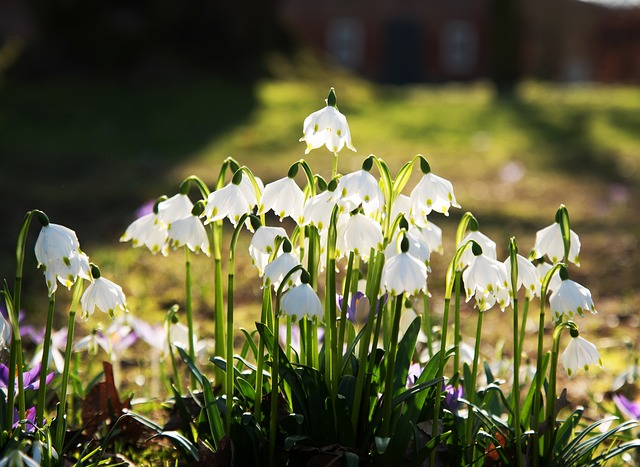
88 154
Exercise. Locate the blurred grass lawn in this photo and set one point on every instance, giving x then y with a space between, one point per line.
89 154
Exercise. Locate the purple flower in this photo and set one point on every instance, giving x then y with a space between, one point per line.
630 409
358 307
30 378
30 417
415 370
146 208
452 396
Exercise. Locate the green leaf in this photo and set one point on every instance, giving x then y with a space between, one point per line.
402 178
406 349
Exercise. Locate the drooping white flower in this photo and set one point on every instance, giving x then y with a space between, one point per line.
189 231
359 188
229 201
249 191
284 197
263 244
58 253
149 231
418 246
277 269
549 242
102 294
402 205
580 354
404 273
488 277
174 208
300 301
432 193
5 332
326 127
488 248
528 276
317 210
554 283
571 298
360 233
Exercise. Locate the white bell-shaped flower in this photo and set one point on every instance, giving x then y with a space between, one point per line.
58 253
189 231
549 242
102 294
148 231
418 246
554 283
317 210
326 127
580 354
284 197
300 301
263 244
276 270
528 276
229 201
359 189
404 273
488 276
402 205
488 248
249 191
432 193
360 233
432 235
174 208
569 299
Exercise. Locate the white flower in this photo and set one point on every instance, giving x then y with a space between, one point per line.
58 253
317 210
361 233
5 332
263 244
104 295
528 276
148 230
229 201
403 273
554 283
489 277
488 248
275 271
284 197
571 298
359 188
174 208
580 353
402 205
418 246
302 300
433 235
432 193
189 231
249 191
549 242
327 127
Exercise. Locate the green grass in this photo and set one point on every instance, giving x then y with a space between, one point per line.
89 154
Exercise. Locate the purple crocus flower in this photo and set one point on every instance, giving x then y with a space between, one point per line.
452 396
358 307
630 409
30 378
30 417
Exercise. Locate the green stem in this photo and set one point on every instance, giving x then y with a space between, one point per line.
275 386
345 304
219 300
472 390
428 326
457 337
523 325
46 346
334 166
288 338
266 310
385 430
189 306
515 390
62 415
